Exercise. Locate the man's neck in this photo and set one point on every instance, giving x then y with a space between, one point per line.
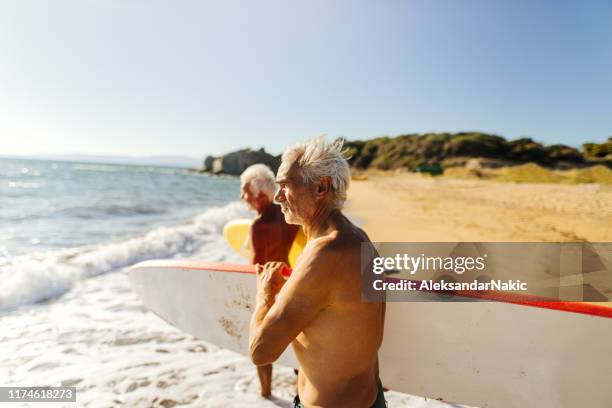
324 222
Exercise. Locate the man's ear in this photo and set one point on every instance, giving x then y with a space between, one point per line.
324 186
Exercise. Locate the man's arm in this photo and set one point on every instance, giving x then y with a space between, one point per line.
275 323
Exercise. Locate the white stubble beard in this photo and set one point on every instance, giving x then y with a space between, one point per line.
289 218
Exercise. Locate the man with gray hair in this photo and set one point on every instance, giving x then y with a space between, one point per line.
318 309
270 236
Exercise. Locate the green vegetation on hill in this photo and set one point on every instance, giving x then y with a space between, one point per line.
414 151
598 151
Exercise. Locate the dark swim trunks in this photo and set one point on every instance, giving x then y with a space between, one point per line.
379 403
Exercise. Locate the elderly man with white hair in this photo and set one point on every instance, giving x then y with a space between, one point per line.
319 308
270 236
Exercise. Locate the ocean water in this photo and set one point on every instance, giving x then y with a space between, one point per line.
61 222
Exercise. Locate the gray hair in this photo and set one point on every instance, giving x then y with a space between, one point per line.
318 158
260 179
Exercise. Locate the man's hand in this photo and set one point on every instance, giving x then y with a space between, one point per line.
269 282
270 279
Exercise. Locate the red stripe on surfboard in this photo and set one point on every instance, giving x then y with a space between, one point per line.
593 309
518 299
196 265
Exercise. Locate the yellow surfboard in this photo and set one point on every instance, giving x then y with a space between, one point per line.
236 234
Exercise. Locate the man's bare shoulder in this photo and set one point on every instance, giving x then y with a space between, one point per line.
347 240
335 253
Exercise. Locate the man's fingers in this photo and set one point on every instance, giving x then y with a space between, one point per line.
273 266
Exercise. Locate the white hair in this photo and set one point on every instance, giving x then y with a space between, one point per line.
260 179
318 158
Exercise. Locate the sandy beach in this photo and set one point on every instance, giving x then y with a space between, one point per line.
409 207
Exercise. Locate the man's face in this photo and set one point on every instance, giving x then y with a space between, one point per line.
295 198
247 196
255 202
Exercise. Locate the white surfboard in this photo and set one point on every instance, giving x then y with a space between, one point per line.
488 354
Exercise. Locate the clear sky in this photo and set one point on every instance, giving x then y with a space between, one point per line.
142 77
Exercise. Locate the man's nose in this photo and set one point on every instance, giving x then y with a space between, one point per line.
279 197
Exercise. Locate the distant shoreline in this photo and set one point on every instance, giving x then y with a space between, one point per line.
104 160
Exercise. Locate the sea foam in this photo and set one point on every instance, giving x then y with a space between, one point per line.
32 278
